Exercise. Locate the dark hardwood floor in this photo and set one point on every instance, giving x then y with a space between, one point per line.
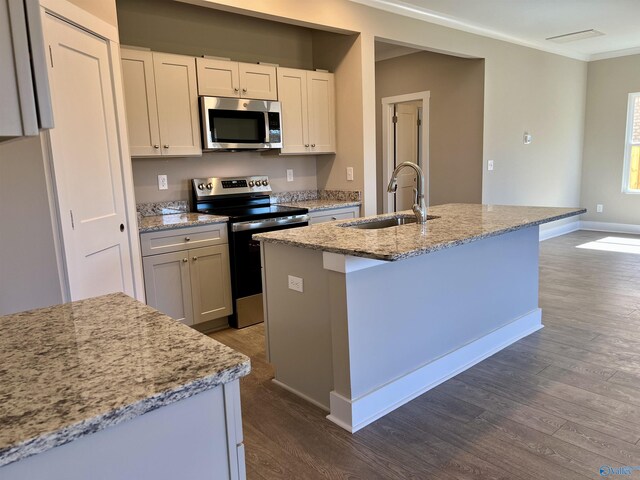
558 404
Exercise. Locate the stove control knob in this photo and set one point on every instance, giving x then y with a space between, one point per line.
265 182
201 186
251 183
209 186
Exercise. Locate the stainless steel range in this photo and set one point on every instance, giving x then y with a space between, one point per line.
246 201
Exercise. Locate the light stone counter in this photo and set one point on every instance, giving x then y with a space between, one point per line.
456 224
321 204
177 220
75 369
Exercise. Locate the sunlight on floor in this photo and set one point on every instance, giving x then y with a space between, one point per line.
614 244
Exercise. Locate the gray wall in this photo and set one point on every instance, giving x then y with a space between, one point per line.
455 120
28 267
609 83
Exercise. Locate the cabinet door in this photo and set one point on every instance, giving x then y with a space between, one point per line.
218 78
167 285
177 99
322 117
257 81
210 283
140 102
292 92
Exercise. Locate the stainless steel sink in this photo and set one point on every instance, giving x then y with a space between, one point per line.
386 222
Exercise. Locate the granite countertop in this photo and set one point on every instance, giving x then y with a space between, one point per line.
177 220
74 369
457 224
321 204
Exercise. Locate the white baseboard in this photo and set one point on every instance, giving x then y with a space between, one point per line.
610 227
354 414
546 234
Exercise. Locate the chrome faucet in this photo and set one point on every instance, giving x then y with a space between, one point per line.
420 207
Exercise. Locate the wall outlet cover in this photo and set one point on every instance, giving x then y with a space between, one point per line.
163 183
599 208
296 283
490 165
350 174
289 174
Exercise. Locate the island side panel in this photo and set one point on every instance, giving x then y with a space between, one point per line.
409 315
196 437
298 324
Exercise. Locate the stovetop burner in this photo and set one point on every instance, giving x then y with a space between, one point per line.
239 198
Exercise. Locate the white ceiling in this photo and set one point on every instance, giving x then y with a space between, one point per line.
530 22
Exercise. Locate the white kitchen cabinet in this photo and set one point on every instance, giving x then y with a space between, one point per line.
161 100
223 78
344 213
188 282
308 111
24 96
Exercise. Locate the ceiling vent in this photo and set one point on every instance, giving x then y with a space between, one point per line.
572 37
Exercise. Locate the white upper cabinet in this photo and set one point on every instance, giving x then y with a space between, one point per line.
25 104
308 111
222 78
161 99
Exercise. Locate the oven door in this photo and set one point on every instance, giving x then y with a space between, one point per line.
246 275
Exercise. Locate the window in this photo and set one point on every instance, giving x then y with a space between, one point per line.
631 174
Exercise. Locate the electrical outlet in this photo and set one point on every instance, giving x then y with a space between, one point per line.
527 138
350 174
163 183
599 208
289 174
490 165
296 283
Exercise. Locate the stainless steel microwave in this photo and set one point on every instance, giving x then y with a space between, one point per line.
237 124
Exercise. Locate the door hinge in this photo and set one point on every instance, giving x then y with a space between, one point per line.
73 226
419 122
51 56
394 119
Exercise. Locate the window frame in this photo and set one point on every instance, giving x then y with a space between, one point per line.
628 144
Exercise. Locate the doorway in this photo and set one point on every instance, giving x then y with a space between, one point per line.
405 137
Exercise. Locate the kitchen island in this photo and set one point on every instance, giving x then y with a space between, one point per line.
110 388
361 320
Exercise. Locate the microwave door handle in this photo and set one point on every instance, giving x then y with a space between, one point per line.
267 135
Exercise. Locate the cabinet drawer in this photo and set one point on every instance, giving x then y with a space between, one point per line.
331 215
165 241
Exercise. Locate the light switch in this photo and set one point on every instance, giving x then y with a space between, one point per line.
350 174
490 165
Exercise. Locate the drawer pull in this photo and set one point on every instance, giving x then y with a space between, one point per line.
334 218
187 239
313 145
185 260
195 258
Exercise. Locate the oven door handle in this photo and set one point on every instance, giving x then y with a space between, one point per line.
269 222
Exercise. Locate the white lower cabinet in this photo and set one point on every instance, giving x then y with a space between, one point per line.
192 285
344 213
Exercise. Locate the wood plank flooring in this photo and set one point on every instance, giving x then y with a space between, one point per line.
559 404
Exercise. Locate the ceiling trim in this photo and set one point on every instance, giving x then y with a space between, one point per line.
615 53
430 16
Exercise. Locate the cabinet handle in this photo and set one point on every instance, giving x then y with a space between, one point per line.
244 90
236 90
195 258
185 260
333 218
166 146
306 145
313 144
186 239
156 146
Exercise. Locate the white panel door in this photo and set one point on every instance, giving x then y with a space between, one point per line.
210 283
257 81
177 98
218 78
86 163
140 102
322 117
292 93
406 151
